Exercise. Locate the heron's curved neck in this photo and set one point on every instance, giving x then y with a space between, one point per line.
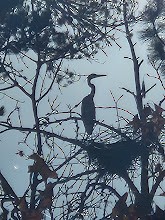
92 86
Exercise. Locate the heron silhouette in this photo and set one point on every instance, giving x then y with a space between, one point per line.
88 113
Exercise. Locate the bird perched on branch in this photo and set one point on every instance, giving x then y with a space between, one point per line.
88 113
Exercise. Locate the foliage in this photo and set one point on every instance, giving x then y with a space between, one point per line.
153 32
56 29
73 175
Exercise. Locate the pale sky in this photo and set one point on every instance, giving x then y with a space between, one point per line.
119 73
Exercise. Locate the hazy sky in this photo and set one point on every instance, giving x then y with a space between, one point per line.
119 73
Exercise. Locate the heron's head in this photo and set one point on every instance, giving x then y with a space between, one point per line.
93 75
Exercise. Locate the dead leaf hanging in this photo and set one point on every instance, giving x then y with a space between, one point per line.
41 167
136 123
46 197
158 109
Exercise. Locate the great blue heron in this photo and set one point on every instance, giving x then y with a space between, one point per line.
88 113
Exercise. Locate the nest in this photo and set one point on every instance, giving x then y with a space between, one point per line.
114 158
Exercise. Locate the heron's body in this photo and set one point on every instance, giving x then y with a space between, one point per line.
88 113
88 107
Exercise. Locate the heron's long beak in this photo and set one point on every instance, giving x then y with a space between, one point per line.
99 76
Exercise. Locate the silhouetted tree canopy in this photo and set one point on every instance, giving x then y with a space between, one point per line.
115 170
55 29
154 31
